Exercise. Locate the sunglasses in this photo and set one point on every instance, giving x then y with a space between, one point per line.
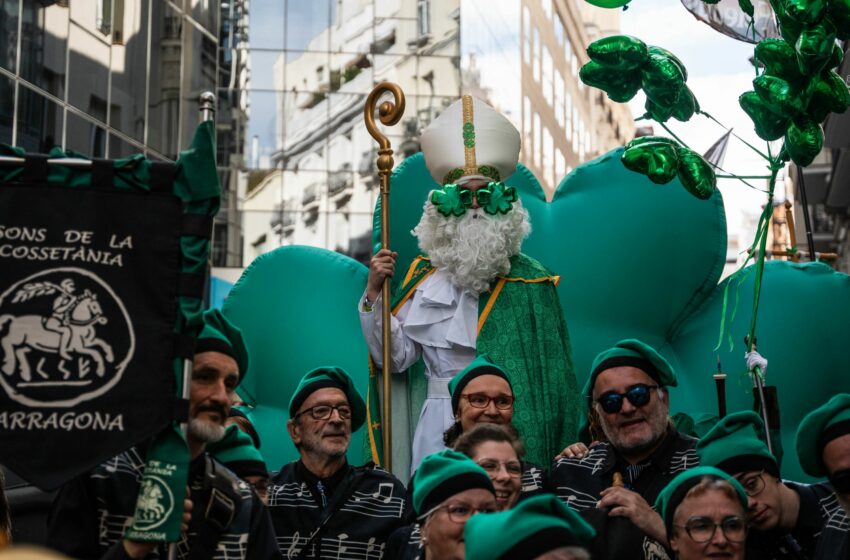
455 200
638 395
840 481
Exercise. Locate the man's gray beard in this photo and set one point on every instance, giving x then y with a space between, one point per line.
204 431
474 248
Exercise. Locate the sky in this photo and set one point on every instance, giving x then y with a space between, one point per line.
719 71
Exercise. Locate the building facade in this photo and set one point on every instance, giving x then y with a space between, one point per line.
110 78
310 175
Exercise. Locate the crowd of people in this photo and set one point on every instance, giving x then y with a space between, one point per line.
509 459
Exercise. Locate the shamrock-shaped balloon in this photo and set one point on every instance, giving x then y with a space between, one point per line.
804 141
661 159
620 65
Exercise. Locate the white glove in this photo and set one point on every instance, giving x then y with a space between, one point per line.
755 360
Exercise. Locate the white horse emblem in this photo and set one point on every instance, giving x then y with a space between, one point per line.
28 332
54 348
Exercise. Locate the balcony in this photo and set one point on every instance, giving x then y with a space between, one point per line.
310 197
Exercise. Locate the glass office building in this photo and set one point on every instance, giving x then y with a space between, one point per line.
108 78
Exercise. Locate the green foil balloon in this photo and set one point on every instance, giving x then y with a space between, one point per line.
835 58
608 3
657 160
696 174
778 95
804 141
622 52
805 11
671 56
620 85
838 13
827 94
779 59
814 47
769 126
747 7
657 112
641 140
662 80
686 105
789 27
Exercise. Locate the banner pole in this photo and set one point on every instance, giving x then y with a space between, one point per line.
206 107
389 113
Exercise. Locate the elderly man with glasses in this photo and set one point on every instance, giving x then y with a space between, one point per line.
787 518
641 451
321 506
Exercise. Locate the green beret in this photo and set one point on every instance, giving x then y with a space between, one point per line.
482 365
330 376
673 494
736 445
220 335
236 451
442 475
631 352
818 428
534 527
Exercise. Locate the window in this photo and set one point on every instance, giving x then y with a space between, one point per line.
535 55
537 142
547 75
526 123
547 8
559 98
103 16
560 166
548 158
423 14
526 27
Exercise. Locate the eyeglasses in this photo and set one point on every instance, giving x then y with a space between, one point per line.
702 529
492 466
840 481
638 395
454 200
460 513
753 486
480 400
323 412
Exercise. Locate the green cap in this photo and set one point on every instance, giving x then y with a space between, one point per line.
482 365
236 451
442 475
818 428
673 494
220 335
330 376
736 445
631 352
534 527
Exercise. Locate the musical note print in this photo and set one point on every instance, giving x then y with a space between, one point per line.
342 547
291 495
380 503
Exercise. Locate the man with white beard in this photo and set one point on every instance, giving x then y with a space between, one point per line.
475 292
223 517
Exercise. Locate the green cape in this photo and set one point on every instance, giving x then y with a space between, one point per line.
522 328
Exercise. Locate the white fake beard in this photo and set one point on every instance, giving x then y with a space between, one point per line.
474 248
206 432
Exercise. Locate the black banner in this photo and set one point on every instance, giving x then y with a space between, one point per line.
88 302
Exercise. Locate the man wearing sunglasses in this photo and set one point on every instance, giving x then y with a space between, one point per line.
320 505
823 448
787 518
474 292
627 403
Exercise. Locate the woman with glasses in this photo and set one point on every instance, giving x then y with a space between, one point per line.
482 394
704 512
448 489
499 452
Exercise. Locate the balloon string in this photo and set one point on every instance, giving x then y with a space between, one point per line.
756 150
664 126
768 211
733 176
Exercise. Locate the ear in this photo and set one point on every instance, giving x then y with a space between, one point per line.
294 432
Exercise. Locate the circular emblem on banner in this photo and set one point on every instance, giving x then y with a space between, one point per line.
154 505
65 338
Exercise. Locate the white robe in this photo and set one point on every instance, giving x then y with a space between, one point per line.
439 323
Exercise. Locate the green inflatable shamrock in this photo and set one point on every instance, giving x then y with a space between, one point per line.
661 159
